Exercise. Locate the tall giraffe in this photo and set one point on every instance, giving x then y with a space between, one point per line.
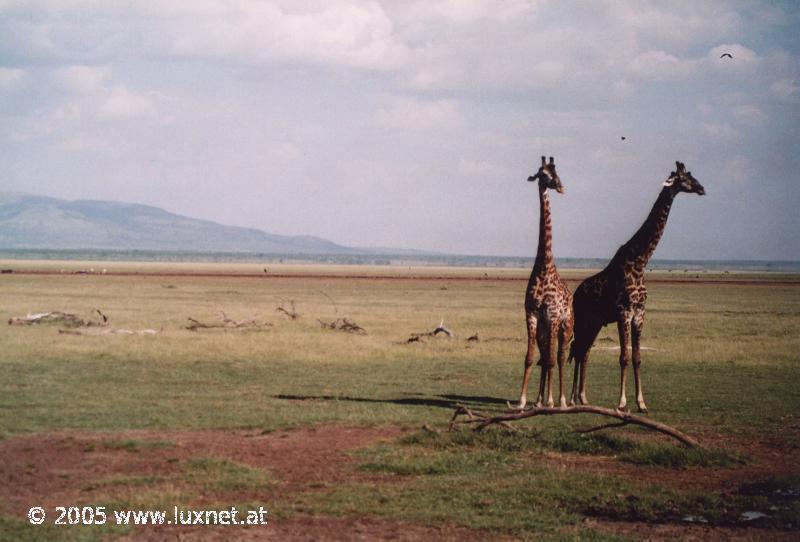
618 294
548 301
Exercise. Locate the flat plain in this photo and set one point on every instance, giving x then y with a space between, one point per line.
344 435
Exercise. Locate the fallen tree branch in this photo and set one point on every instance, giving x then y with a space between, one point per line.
225 323
59 317
483 420
291 313
343 324
438 329
109 331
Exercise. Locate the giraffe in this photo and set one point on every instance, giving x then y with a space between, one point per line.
548 302
618 293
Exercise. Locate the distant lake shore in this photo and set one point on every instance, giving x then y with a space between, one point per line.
443 260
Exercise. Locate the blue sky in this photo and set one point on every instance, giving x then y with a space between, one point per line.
415 124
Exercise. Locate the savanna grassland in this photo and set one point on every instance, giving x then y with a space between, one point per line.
342 435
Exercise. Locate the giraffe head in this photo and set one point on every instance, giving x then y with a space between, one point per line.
547 177
681 180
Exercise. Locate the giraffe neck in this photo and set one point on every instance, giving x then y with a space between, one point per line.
544 254
643 243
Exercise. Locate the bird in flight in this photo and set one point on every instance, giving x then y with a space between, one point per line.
723 55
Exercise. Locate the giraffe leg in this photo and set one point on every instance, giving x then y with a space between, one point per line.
581 345
636 333
526 375
552 355
563 341
623 325
542 383
582 388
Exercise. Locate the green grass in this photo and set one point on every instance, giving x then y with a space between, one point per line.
723 365
132 445
212 473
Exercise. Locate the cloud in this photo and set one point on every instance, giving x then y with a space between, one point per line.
407 113
82 142
10 77
784 88
659 65
749 114
337 33
478 168
721 130
744 59
121 103
82 79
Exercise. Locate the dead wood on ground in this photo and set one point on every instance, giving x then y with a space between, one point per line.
416 337
109 331
225 323
57 317
343 324
291 312
483 420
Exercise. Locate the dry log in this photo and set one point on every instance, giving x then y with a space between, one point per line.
482 420
438 329
58 317
290 312
109 331
225 323
343 324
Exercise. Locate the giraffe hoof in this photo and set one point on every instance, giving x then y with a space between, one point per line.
520 406
643 409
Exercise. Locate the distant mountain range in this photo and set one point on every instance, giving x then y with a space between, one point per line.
37 222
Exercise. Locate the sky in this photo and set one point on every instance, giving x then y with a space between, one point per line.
415 124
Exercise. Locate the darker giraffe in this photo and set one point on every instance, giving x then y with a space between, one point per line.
548 301
618 294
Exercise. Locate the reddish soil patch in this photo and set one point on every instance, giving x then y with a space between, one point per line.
313 528
687 533
76 468
766 457
69 468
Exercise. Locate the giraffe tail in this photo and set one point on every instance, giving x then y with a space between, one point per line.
571 352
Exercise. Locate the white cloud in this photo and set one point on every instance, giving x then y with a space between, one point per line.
412 114
10 77
749 114
721 130
743 59
478 168
81 142
82 79
338 33
122 103
659 65
784 88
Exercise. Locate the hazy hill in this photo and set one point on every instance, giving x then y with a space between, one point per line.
43 222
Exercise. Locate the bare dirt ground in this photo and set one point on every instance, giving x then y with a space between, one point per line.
75 468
